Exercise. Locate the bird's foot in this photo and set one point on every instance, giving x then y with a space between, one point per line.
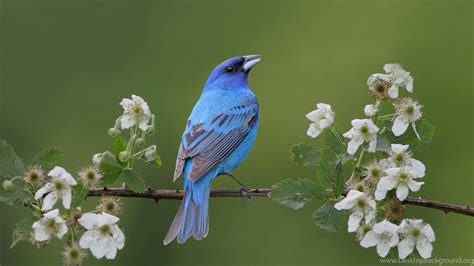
244 195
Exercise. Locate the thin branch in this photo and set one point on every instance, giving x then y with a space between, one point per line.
158 194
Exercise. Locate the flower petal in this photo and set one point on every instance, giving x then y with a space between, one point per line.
354 222
399 127
428 232
62 230
353 145
399 148
325 123
405 248
402 192
101 246
348 201
385 184
52 214
105 218
87 239
373 144
414 186
40 232
313 131
383 248
393 91
424 248
312 116
42 191
49 201
88 220
127 121
118 237
417 166
67 197
370 239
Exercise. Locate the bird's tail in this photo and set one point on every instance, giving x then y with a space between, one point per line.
192 218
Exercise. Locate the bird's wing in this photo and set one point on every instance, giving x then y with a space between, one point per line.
209 142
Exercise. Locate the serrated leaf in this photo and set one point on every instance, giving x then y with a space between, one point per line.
425 129
328 218
10 164
120 144
325 167
338 180
295 193
79 194
304 154
16 196
134 181
333 142
383 144
22 230
49 158
111 173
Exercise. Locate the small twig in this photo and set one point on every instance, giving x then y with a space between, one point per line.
158 194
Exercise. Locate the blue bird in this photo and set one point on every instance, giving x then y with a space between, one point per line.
219 134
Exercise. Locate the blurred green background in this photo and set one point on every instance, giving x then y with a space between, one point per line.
65 66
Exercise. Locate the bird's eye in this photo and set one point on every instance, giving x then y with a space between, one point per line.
229 69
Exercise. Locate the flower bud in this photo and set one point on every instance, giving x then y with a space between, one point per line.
150 130
124 156
139 141
97 158
150 154
8 185
113 132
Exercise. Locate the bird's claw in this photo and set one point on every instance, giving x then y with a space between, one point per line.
244 195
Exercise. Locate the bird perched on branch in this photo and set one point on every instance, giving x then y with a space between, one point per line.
219 134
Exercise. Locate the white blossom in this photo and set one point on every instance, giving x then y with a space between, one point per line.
103 236
363 130
398 78
415 233
408 111
400 156
136 113
322 118
384 235
49 226
402 179
59 187
371 109
360 205
97 158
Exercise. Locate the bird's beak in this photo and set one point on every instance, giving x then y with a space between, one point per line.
250 61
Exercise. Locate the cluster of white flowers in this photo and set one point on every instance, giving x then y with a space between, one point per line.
399 171
103 237
135 113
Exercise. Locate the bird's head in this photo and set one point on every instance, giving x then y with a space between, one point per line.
232 73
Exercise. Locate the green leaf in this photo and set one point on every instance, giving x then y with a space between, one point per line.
338 180
10 164
326 166
333 142
120 144
304 154
328 218
134 181
111 173
49 158
16 196
383 144
22 230
424 128
79 194
295 193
